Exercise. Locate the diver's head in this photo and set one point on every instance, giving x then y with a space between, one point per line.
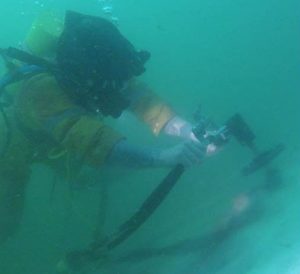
95 62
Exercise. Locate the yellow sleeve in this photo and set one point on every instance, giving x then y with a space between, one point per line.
45 109
149 107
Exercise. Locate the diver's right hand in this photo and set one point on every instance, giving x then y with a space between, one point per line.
187 153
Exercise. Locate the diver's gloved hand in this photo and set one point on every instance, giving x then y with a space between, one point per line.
187 153
183 129
180 128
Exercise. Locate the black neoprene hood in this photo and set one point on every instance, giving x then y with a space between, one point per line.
95 59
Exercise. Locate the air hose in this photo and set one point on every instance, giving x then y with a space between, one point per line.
78 260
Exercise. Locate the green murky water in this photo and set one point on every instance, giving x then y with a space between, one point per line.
229 56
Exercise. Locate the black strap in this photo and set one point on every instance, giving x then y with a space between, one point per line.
27 58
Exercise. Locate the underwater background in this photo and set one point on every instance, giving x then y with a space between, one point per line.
229 56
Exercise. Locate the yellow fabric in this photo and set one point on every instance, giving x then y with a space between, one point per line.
43 35
150 108
83 135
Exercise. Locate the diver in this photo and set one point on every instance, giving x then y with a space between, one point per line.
57 115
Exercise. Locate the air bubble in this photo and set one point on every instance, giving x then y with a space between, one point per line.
107 10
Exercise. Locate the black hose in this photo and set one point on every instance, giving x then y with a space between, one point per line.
76 260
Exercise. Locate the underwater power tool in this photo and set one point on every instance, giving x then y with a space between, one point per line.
206 132
236 127
244 135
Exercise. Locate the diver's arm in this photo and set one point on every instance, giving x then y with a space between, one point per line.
126 154
130 155
148 107
160 117
156 113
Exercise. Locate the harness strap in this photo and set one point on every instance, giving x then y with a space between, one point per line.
19 74
27 58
